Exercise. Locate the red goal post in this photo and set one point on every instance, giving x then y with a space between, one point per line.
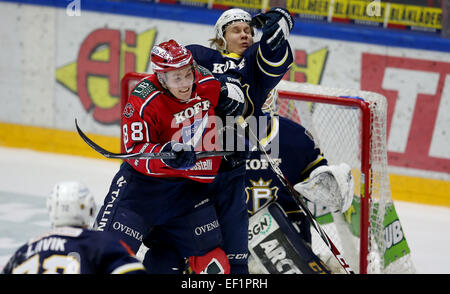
365 121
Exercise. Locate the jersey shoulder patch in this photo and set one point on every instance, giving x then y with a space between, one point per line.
204 71
143 89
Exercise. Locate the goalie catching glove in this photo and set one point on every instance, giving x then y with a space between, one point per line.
276 25
331 186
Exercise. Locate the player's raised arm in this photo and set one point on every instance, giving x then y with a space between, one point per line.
274 53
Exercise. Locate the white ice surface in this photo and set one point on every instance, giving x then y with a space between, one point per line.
26 178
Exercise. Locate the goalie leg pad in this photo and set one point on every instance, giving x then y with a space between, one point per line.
277 247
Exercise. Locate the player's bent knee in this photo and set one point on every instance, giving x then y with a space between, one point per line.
213 262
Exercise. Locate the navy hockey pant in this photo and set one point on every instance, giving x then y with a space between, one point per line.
231 208
136 203
230 204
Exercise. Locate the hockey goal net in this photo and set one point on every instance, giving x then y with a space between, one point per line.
350 127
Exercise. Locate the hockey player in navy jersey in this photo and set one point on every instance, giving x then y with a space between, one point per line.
300 159
71 248
173 110
259 65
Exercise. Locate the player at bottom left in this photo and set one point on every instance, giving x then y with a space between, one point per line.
71 247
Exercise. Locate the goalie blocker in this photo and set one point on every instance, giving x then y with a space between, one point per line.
276 247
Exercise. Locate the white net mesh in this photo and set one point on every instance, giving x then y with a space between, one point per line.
338 129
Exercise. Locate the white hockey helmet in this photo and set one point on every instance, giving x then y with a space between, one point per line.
71 204
226 18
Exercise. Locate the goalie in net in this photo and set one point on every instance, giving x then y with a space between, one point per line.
279 233
351 126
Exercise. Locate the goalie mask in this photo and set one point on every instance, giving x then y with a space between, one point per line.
230 16
71 204
271 104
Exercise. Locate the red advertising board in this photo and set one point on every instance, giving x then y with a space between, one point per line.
413 106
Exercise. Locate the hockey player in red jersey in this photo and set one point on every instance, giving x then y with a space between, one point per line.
168 110
174 110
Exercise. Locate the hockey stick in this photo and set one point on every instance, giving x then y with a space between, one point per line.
141 155
296 196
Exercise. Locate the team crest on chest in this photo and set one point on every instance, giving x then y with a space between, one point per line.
260 193
192 134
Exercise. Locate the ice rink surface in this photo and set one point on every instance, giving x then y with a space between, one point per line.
27 177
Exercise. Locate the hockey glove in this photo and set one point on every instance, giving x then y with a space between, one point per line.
213 262
231 98
185 155
276 25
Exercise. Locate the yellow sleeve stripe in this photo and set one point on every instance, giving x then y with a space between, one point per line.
273 132
312 164
128 268
270 74
274 129
273 64
267 73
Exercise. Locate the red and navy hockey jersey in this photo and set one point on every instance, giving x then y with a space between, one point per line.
153 117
